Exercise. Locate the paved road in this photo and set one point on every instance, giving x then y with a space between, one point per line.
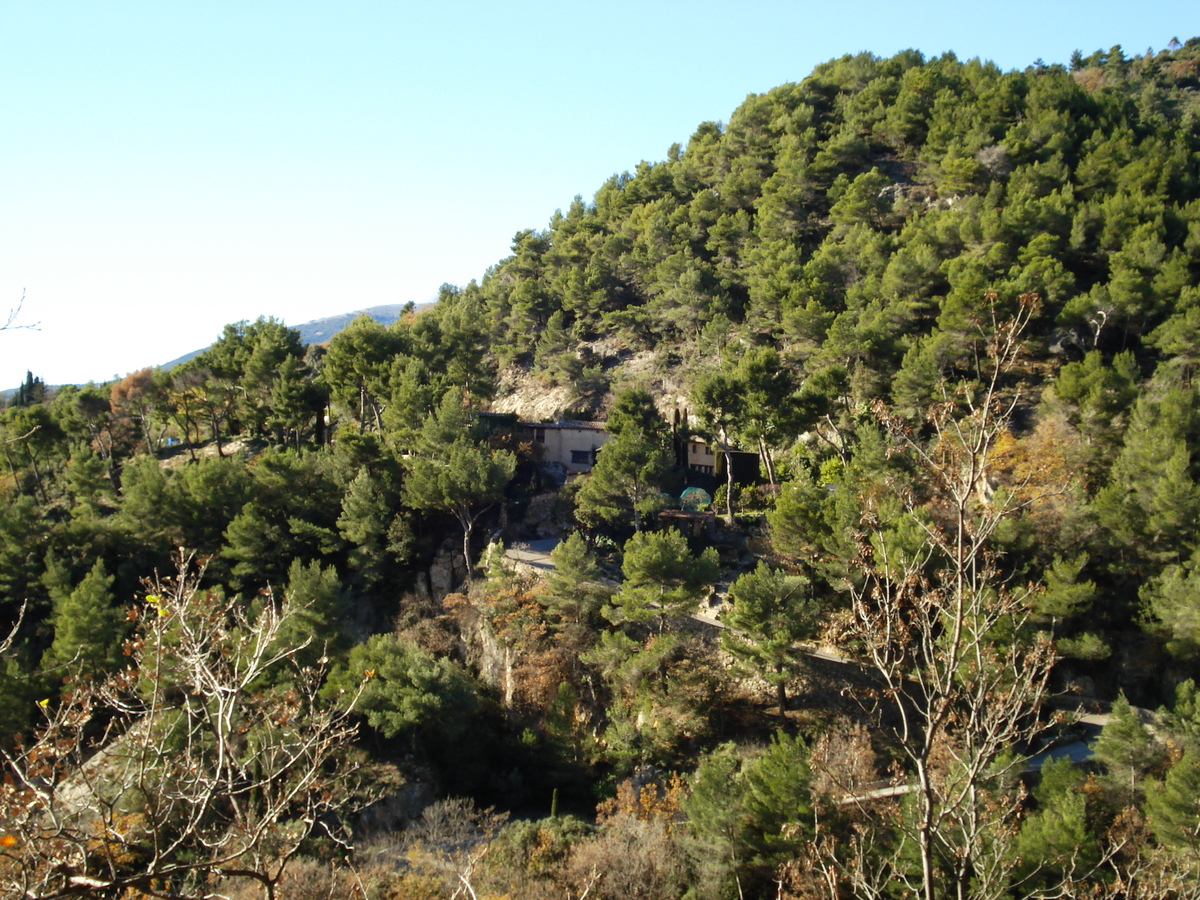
535 554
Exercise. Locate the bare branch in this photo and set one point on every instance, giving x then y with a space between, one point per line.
6 644
10 323
201 770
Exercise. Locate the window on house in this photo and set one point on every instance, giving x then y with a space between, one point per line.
539 435
581 457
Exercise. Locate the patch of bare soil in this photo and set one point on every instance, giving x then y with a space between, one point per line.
174 457
530 397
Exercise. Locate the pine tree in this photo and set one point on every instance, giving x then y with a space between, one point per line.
464 479
1173 807
1057 841
662 578
625 483
87 627
364 524
574 590
772 612
317 606
1127 750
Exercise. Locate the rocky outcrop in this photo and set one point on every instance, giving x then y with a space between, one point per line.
486 655
447 571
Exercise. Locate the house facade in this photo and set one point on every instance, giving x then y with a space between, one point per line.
705 458
571 444
700 456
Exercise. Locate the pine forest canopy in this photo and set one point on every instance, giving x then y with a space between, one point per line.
956 313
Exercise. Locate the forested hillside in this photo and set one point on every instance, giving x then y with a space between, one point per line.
954 311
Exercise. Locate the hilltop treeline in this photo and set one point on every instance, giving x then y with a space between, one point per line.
954 310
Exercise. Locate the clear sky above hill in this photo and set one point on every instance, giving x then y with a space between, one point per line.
169 167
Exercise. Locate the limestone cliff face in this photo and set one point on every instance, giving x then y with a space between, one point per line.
485 654
531 399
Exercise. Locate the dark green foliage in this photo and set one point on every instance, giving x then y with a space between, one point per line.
721 406
1170 602
1067 595
1150 506
1127 750
625 485
661 696
768 415
88 627
146 516
376 532
750 811
318 609
662 578
289 516
404 690
356 367
777 801
772 612
463 479
633 410
202 499
23 533
574 590
20 692
1058 839
1184 715
30 391
88 484
1173 807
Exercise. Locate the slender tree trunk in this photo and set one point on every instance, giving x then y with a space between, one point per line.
13 469
728 476
765 452
147 432
215 423
925 830
37 476
468 525
781 692
98 439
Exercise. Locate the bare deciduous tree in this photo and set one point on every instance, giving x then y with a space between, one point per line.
945 630
186 769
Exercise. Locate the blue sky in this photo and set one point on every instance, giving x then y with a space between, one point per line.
169 167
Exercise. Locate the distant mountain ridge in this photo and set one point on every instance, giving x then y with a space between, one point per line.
318 331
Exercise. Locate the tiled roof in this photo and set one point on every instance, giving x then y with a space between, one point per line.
566 423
